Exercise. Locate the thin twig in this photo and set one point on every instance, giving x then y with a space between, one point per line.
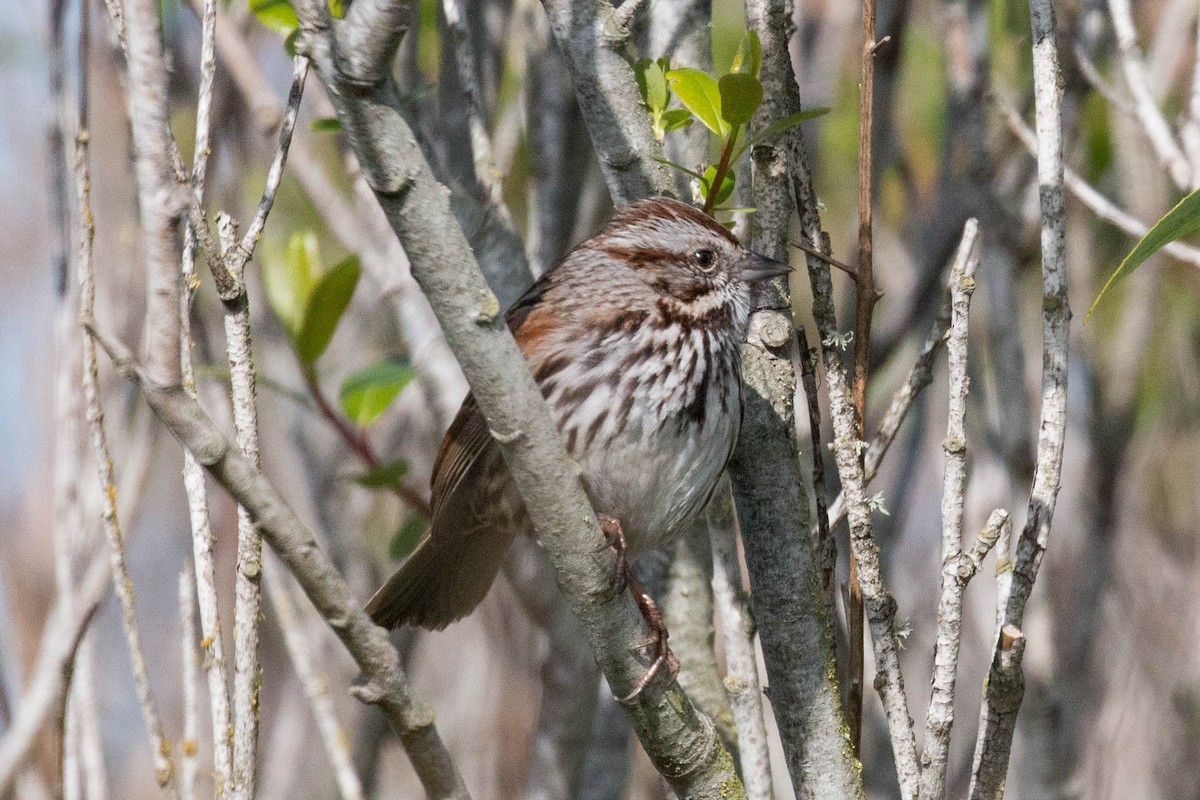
828 259
940 716
195 489
147 107
1005 683
189 764
824 545
287 127
847 446
920 375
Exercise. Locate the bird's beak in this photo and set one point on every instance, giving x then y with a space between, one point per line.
758 268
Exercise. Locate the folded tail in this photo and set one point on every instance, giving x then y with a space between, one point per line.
442 581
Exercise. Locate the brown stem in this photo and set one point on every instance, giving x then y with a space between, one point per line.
863 308
722 167
357 441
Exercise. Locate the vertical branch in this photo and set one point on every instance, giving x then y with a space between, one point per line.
688 614
1005 684
147 96
789 603
189 765
203 540
864 307
940 716
249 547
741 663
880 605
824 544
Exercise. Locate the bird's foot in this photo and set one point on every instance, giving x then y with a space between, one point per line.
657 640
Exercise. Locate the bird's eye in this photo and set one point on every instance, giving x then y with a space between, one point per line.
705 259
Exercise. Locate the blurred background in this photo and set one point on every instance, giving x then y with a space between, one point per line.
1112 706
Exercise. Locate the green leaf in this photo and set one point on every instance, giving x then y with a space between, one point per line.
336 9
278 15
675 118
741 95
289 277
326 125
406 539
748 59
367 393
1180 221
328 302
723 191
652 83
779 126
700 93
383 476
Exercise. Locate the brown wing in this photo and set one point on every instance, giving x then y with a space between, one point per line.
468 443
465 442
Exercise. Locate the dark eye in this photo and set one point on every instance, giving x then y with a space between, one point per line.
704 259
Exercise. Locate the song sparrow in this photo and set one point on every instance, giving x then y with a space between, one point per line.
634 339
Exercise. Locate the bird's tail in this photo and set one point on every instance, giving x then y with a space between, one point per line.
442 581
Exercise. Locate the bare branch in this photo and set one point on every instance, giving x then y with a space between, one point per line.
247 589
65 627
1005 684
159 204
287 127
955 571
203 539
315 684
920 375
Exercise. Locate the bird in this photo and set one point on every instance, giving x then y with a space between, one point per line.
634 339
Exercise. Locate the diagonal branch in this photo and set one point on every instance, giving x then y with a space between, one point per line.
590 35
368 644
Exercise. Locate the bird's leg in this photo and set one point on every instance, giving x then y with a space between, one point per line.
625 576
614 537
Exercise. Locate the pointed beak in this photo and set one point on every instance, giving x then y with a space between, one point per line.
758 268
